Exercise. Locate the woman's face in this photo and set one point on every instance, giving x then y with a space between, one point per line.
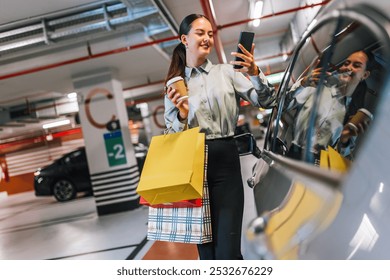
354 69
200 39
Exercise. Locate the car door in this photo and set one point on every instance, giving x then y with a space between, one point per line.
299 181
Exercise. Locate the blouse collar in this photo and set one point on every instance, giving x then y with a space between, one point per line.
205 67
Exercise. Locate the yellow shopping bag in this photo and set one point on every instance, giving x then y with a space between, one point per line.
332 160
174 167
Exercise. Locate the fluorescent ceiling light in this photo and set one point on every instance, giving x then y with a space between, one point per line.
256 11
55 124
72 95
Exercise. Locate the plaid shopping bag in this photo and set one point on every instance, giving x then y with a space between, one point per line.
185 225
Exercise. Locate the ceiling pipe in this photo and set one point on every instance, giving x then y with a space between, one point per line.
265 35
146 44
208 10
38 94
141 86
274 56
84 58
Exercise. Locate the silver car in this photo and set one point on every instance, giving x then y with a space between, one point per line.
318 194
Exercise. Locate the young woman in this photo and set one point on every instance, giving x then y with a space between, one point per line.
214 93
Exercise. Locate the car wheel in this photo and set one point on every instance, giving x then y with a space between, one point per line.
64 190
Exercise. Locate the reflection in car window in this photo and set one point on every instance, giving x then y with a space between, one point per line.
335 76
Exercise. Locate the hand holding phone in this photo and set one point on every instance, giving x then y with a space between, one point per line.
246 40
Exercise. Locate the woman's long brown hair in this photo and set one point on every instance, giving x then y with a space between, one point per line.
178 62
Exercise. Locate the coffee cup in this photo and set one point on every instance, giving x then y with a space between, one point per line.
362 116
178 84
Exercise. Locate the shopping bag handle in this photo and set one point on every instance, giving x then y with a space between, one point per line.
169 129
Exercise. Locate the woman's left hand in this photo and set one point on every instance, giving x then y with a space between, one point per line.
181 104
249 65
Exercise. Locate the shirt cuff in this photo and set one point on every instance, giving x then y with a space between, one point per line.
259 81
178 125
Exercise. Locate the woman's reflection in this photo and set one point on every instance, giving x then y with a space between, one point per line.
340 98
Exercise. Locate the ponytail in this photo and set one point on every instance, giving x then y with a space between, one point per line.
178 63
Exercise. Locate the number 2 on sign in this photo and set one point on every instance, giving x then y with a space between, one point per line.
119 151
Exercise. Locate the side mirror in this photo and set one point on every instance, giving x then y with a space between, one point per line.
246 145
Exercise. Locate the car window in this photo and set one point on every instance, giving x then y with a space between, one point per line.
75 157
327 100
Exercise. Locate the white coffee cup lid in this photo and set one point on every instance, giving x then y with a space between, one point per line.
174 80
368 113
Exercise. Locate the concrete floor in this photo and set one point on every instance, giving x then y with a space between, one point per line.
40 228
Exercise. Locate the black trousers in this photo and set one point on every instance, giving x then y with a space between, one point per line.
226 201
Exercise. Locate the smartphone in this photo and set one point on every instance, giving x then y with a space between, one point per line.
246 40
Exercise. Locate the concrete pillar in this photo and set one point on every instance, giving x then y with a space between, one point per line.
110 153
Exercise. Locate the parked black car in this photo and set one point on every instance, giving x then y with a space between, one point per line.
69 175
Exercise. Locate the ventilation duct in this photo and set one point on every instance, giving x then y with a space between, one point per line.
81 24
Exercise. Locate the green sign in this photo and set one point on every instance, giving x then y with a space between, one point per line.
116 152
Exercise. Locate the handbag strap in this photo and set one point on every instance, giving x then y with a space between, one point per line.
170 130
